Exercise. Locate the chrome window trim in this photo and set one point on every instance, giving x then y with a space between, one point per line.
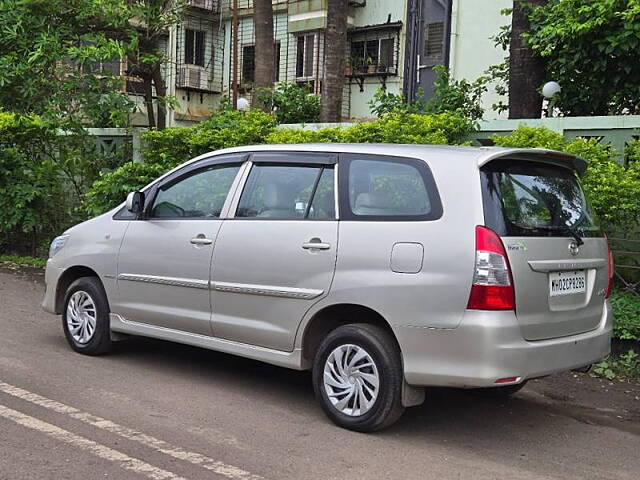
172 281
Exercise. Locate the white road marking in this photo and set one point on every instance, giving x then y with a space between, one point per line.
102 451
220 468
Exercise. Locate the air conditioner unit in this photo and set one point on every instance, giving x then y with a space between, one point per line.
211 5
193 76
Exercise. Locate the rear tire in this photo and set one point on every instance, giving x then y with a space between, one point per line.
357 377
85 318
499 392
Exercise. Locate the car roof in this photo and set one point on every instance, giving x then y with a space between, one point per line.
433 153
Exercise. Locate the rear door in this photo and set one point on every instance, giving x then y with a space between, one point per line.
558 255
276 256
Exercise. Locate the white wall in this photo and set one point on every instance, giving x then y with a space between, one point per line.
473 23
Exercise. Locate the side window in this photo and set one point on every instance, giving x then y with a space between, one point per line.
323 206
390 188
286 192
199 195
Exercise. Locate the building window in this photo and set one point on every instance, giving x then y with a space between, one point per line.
305 55
378 53
434 42
194 47
276 59
248 64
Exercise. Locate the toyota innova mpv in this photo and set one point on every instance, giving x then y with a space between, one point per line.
381 268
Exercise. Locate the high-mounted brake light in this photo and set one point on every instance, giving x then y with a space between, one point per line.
492 287
609 269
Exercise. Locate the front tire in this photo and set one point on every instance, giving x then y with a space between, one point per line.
357 377
85 319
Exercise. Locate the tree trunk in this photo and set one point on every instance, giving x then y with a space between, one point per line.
264 48
526 71
148 99
161 92
335 44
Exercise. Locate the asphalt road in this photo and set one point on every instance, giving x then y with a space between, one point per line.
158 410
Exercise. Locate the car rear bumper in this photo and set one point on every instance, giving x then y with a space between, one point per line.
488 346
51 277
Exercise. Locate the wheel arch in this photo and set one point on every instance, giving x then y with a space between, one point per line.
329 318
69 276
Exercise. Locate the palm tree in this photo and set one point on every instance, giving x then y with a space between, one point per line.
335 43
526 71
264 46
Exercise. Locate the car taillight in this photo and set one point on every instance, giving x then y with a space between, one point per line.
492 287
609 269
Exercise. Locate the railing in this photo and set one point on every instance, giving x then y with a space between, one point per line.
626 253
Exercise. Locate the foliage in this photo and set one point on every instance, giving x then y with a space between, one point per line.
396 127
112 188
166 149
613 189
42 177
20 261
590 48
461 97
626 308
291 103
632 151
625 366
57 56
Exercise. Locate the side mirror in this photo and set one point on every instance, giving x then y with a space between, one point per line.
135 202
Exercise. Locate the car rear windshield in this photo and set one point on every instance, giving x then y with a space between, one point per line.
524 198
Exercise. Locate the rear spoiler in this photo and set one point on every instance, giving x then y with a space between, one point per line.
536 154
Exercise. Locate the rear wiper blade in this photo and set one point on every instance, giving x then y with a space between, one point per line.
572 232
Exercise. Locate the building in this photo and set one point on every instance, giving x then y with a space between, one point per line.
391 43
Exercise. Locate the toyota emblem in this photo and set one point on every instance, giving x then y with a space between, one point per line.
574 249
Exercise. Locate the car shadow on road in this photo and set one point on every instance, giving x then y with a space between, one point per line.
447 412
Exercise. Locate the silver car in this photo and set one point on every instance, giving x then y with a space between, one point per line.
381 268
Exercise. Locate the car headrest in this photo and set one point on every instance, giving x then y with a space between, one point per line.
278 196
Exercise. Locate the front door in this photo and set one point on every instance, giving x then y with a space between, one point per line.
428 44
277 256
164 260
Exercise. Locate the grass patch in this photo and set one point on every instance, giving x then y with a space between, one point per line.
19 261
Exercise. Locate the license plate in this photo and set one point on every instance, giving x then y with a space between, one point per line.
567 283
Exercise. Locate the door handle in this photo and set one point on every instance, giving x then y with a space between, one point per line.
316 244
201 240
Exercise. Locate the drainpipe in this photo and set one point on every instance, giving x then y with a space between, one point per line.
171 72
453 38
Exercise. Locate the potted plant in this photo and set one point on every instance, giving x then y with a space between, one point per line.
361 65
371 66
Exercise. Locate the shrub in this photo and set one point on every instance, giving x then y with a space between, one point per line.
112 188
43 175
626 308
291 103
396 127
291 135
625 366
460 97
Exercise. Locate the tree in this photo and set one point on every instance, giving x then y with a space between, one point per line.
335 43
60 58
591 49
264 47
526 70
